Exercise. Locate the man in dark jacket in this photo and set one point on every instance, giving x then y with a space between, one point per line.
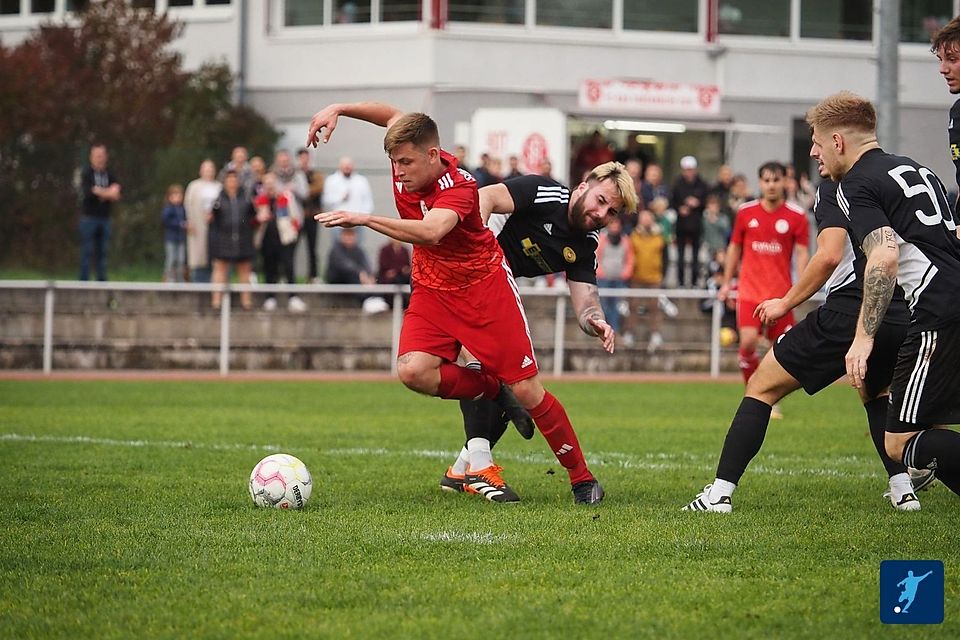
98 191
689 194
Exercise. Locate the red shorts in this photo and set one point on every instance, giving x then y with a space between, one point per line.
487 318
745 318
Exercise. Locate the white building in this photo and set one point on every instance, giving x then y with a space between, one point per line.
768 60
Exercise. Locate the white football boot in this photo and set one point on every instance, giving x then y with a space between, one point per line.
704 502
902 494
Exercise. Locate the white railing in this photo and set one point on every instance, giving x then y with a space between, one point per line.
50 288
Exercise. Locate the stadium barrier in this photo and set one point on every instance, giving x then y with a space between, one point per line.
394 292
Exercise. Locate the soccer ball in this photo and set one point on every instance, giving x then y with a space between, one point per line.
727 336
280 481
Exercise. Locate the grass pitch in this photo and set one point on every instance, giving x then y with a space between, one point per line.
124 513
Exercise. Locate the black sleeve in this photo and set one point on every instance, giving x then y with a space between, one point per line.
585 268
861 204
523 190
826 210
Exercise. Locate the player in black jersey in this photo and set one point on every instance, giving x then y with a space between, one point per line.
899 215
811 356
545 228
946 46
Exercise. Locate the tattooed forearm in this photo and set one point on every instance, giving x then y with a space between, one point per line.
586 303
879 277
878 285
593 312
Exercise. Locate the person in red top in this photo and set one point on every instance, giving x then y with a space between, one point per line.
463 293
767 234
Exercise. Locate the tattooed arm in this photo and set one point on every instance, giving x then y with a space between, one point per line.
879 280
586 303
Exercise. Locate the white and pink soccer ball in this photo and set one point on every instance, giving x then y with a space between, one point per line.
280 481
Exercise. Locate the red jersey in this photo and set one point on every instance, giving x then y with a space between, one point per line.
767 239
469 253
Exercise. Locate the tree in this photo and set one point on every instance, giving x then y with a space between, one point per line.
110 77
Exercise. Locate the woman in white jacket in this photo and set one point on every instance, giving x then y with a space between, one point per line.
198 201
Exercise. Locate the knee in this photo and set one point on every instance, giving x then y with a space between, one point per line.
529 392
414 377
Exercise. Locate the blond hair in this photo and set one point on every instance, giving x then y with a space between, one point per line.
844 110
618 173
417 128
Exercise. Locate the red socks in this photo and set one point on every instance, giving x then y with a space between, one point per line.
461 383
748 362
553 423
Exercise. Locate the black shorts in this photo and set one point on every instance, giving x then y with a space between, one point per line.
813 351
926 384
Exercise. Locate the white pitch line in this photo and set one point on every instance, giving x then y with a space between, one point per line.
613 459
468 537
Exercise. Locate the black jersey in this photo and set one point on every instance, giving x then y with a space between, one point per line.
845 286
953 133
884 190
536 238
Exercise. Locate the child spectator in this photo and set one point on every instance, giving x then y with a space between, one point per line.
716 226
174 235
665 217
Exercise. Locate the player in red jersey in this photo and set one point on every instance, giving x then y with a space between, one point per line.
767 235
464 293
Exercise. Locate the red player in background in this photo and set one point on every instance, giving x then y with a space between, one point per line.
767 234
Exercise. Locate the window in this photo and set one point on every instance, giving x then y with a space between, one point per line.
9 7
596 14
920 19
399 10
493 11
179 3
655 15
42 6
349 12
213 2
755 17
77 5
299 13
836 19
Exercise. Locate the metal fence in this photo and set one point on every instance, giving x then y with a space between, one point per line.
560 295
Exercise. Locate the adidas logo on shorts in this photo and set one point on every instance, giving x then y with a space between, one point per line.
527 361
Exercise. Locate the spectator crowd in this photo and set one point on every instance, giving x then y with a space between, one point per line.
248 218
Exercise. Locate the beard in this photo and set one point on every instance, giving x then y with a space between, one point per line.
579 222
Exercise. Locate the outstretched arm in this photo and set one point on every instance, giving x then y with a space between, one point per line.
879 280
830 245
325 121
586 304
429 231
